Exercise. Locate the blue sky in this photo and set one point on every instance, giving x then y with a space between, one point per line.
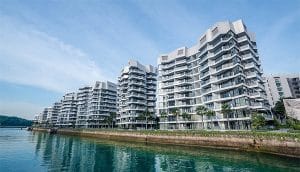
50 47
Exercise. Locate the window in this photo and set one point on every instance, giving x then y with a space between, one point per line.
203 39
180 52
164 57
214 31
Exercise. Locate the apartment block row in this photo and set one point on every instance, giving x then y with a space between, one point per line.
223 67
87 108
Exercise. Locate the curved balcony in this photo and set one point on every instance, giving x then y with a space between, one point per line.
227 87
182 68
222 41
167 72
224 49
167 66
182 82
136 71
224 67
136 95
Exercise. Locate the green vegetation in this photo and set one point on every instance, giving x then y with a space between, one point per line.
186 116
279 110
201 111
146 115
13 121
110 119
210 114
280 113
258 121
176 112
293 123
242 134
226 111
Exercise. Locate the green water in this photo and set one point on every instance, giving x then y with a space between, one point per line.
21 150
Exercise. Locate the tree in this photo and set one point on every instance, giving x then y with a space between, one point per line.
146 115
110 119
201 111
226 110
176 112
163 115
279 109
258 121
210 113
72 124
14 121
156 119
186 116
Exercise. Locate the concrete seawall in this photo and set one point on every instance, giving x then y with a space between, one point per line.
285 147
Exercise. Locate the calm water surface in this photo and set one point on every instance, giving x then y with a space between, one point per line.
21 150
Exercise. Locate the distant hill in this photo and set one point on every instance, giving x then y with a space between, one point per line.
14 121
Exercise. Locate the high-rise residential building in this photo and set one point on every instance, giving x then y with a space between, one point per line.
49 115
87 108
136 94
94 104
55 112
52 113
68 111
43 116
83 96
282 86
222 68
102 102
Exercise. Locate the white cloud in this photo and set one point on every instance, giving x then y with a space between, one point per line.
31 57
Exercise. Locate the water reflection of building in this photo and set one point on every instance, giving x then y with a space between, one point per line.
131 159
74 154
55 151
63 153
172 163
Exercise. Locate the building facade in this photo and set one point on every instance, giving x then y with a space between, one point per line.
294 83
68 112
94 104
53 112
102 102
136 95
83 96
282 86
222 68
43 116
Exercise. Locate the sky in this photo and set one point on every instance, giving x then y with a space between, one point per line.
51 47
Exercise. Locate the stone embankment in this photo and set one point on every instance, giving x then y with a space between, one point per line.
287 146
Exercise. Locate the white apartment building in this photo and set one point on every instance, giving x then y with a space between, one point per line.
102 102
68 112
94 104
49 114
43 116
136 94
282 86
83 96
52 113
222 68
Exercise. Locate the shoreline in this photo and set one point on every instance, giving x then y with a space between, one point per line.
283 146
